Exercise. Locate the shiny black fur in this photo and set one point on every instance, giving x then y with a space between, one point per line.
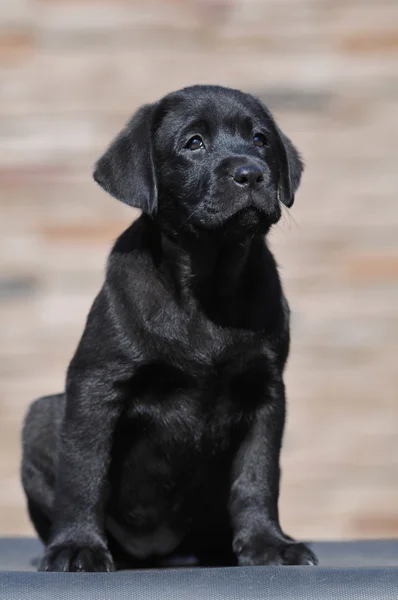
168 436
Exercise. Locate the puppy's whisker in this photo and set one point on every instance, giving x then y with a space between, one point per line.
278 226
190 216
285 219
292 218
287 215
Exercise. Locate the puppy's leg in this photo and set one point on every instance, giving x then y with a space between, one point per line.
257 535
39 450
77 541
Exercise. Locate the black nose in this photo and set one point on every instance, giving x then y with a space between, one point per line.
248 175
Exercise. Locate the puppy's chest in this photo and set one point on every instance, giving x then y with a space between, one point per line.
210 368
192 339
197 399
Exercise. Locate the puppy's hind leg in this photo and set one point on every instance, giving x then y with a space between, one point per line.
39 458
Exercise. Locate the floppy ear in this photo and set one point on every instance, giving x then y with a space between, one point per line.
126 170
290 168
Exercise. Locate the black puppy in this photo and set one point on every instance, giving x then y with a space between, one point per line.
168 436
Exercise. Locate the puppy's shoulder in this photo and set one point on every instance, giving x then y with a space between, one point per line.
134 250
138 238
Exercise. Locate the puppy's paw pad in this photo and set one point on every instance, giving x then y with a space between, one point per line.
75 558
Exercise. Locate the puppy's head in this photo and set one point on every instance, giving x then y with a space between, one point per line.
205 157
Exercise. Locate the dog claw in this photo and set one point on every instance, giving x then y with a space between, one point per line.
72 558
286 554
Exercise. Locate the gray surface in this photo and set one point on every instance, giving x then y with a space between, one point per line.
245 583
376 580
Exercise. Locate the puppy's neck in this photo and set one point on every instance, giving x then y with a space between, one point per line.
209 271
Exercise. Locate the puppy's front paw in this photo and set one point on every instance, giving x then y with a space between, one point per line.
287 553
76 558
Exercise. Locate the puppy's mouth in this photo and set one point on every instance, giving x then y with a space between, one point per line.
247 213
255 215
250 219
250 209
259 210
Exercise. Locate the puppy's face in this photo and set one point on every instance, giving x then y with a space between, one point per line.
205 158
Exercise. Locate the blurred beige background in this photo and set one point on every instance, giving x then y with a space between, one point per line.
72 72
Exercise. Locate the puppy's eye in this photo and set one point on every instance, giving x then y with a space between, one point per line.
259 140
195 143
